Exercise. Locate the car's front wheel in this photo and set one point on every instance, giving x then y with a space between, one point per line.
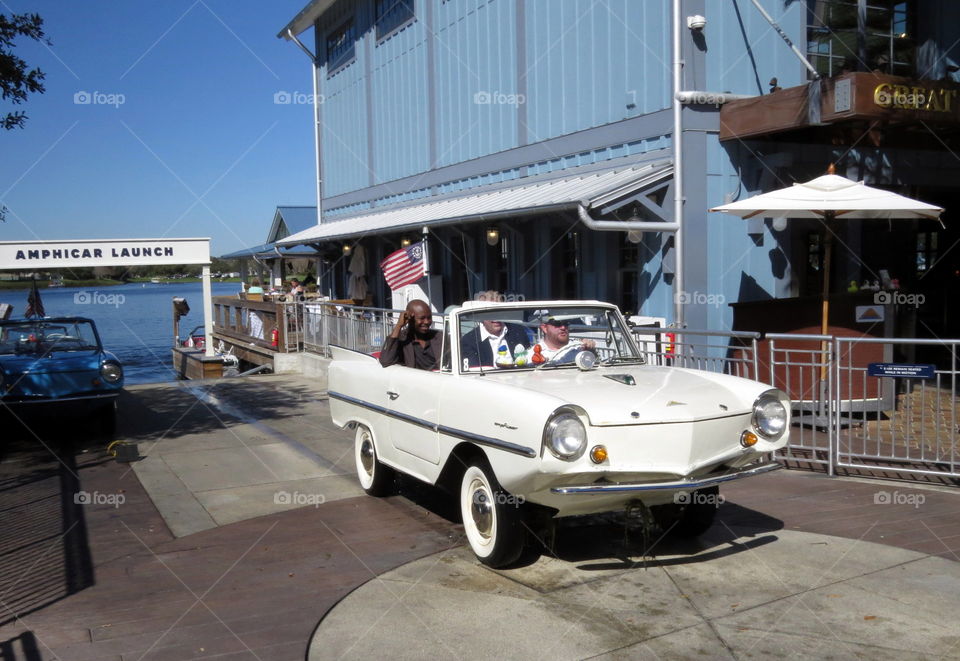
492 519
696 513
375 478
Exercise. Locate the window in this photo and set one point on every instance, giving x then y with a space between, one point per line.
629 276
390 15
926 251
340 46
570 265
834 38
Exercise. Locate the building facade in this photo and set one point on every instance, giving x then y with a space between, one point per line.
535 141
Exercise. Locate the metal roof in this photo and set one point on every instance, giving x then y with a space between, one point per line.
539 196
294 218
268 251
305 18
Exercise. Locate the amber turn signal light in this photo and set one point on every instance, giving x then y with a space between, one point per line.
598 454
748 439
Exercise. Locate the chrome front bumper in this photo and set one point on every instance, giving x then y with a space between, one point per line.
691 484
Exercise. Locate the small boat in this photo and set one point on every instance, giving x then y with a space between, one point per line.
55 281
155 281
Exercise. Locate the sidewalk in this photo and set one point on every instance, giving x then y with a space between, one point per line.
187 574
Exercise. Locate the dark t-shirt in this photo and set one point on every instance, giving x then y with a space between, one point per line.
423 356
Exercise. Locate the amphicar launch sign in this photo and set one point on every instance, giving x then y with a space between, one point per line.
32 255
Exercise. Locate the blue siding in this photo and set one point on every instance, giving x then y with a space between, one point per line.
343 138
401 142
588 61
476 78
344 127
732 253
733 67
603 154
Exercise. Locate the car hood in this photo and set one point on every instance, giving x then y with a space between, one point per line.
53 363
660 394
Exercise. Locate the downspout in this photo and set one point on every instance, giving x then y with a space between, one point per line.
316 122
623 225
677 169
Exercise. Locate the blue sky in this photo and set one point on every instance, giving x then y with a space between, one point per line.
194 147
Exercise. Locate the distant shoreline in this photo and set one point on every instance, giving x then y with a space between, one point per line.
21 285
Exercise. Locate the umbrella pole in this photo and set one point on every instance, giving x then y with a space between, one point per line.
825 309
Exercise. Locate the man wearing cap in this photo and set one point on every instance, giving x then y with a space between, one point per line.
556 338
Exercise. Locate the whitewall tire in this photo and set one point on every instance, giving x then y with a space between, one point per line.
375 478
492 519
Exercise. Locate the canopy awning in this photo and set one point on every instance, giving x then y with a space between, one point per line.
270 251
590 189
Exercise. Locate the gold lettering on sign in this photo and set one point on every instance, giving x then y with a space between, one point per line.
905 97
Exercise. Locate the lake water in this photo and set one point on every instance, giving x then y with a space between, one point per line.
135 321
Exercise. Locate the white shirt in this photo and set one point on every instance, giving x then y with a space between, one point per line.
550 353
495 340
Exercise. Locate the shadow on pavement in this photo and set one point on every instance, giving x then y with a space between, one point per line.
44 552
583 539
170 410
22 648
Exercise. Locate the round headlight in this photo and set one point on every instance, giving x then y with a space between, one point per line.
111 372
566 436
769 415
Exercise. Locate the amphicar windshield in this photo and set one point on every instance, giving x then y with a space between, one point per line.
536 337
42 337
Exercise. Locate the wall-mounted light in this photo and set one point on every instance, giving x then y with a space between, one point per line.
346 248
404 242
696 22
493 236
634 236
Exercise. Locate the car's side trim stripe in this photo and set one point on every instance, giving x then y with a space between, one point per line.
442 429
488 440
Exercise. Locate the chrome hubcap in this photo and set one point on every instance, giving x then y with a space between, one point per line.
367 455
481 510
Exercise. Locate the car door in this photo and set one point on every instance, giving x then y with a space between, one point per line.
413 397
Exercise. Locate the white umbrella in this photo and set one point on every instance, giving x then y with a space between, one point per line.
830 198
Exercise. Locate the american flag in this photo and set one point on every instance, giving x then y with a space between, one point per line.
405 266
34 304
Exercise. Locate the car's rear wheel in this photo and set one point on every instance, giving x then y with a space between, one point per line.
375 478
492 519
697 515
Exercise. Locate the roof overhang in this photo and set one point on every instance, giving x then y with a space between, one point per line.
271 251
875 102
593 189
305 19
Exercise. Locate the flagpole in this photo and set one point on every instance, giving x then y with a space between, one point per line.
426 267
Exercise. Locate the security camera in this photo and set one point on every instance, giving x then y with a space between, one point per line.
697 22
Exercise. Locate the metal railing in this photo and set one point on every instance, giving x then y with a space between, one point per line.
732 352
799 365
914 429
350 326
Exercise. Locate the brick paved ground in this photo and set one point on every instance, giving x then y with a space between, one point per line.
254 589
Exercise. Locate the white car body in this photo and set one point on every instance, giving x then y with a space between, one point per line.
670 431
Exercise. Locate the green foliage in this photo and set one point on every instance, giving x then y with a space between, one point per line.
16 81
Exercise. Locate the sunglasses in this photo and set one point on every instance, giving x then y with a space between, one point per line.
561 324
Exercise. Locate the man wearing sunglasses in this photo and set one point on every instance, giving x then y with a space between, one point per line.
556 339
